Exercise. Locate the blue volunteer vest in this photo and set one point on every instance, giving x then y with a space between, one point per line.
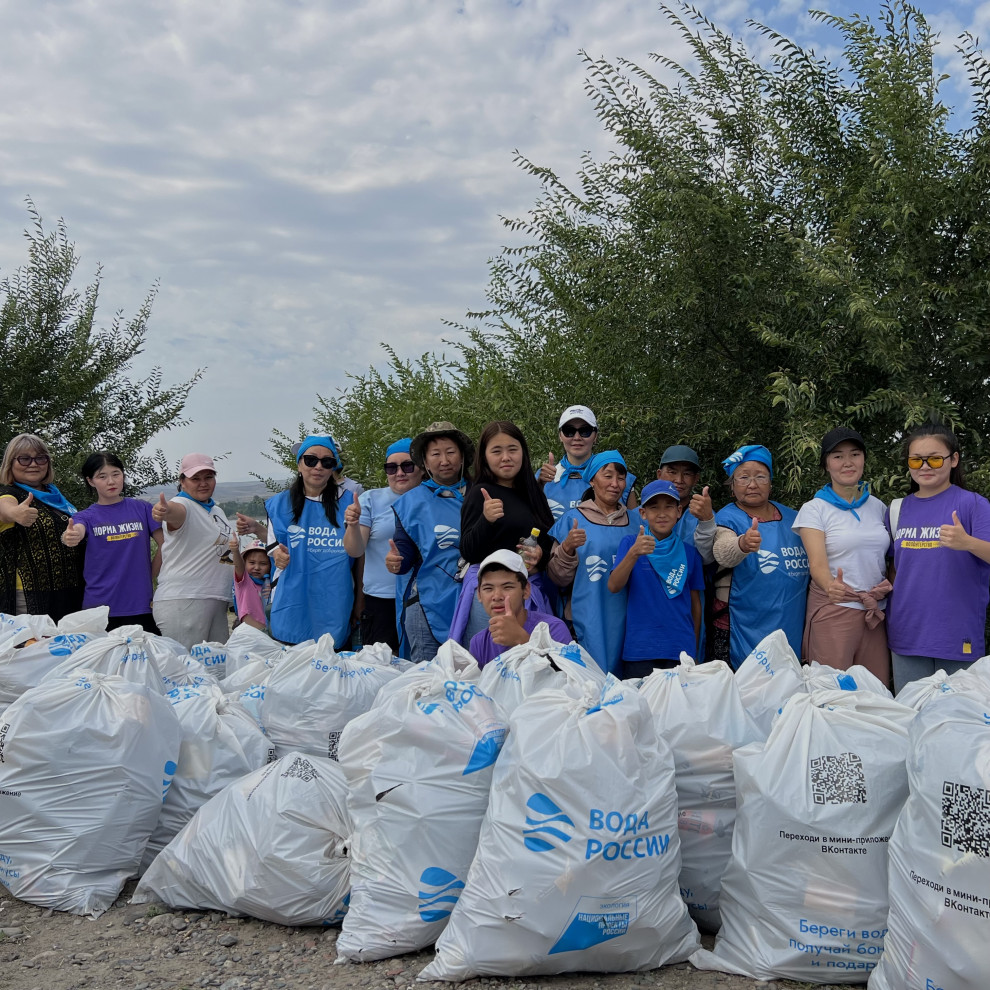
770 587
315 593
434 525
569 491
599 617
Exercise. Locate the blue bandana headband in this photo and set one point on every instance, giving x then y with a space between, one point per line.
596 463
317 441
403 446
750 452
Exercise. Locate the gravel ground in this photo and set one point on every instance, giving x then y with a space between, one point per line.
140 947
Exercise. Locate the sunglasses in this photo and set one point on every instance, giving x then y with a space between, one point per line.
569 431
25 460
934 461
407 468
311 460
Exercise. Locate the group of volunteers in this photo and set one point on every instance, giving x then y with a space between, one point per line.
472 542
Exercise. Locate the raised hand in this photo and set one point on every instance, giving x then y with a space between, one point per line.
159 511
645 544
576 537
838 591
245 524
281 557
74 533
493 509
548 470
750 541
352 514
25 514
700 506
953 535
393 559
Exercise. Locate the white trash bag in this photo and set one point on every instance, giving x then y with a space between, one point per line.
313 692
32 645
940 854
769 677
918 693
213 656
122 652
699 713
272 845
247 643
521 671
221 743
822 677
419 767
578 856
452 660
85 763
804 896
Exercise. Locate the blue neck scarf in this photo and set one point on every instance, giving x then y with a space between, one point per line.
208 504
260 582
669 560
828 494
447 491
51 497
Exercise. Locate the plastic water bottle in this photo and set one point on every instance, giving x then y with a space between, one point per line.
528 541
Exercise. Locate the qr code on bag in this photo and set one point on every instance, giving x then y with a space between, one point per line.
333 740
838 779
966 818
302 769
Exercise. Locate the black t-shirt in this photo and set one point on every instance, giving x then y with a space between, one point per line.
479 537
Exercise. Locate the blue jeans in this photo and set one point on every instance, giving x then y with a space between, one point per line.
423 645
909 668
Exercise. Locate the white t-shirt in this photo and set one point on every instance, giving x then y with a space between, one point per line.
196 558
859 547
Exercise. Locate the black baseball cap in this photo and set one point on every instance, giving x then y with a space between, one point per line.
840 434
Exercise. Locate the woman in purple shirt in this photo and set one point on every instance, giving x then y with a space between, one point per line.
118 532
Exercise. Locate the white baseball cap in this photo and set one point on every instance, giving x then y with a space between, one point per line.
578 412
508 560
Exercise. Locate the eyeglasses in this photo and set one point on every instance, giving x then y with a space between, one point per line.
26 460
407 467
934 461
569 431
756 479
311 460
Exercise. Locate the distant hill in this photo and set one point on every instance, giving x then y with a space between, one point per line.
227 491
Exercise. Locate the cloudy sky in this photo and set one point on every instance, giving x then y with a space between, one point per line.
307 179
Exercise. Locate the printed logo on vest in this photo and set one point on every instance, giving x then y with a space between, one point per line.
768 561
545 818
296 535
439 892
555 507
597 568
446 536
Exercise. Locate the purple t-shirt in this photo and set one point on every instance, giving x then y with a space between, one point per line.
939 603
117 568
483 648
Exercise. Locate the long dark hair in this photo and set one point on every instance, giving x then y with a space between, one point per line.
941 432
524 483
98 460
297 498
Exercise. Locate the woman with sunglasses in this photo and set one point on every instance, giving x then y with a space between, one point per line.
762 579
313 588
370 530
563 481
39 575
844 532
941 562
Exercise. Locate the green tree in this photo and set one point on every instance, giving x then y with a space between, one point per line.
773 249
65 377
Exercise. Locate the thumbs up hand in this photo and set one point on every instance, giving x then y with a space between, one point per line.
839 592
750 541
159 511
954 536
393 559
74 533
645 544
245 524
352 514
493 509
25 514
700 506
576 537
548 470
281 556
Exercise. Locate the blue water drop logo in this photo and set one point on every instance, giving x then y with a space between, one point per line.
545 819
597 568
446 536
439 892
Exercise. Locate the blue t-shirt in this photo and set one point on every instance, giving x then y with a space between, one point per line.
377 515
658 627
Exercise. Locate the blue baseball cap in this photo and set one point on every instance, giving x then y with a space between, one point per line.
655 488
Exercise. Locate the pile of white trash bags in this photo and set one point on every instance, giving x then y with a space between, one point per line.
532 817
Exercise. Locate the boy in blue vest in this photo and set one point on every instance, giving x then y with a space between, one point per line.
665 580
